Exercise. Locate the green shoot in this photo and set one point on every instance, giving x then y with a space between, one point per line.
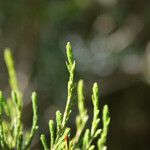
11 132
84 138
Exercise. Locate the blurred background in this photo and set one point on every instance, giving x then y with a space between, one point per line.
111 45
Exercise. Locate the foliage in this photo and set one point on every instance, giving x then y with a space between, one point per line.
60 138
11 126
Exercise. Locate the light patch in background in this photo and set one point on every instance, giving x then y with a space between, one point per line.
107 2
104 24
103 65
123 37
131 64
147 63
99 55
99 44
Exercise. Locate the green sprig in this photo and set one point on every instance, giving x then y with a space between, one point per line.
84 138
18 129
34 122
2 141
82 118
58 120
11 137
43 139
71 68
106 121
52 133
12 74
95 99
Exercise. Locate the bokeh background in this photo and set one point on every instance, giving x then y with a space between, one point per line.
111 45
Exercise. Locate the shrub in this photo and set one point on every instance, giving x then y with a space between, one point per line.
60 138
11 126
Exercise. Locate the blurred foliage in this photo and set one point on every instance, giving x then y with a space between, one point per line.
110 39
12 135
